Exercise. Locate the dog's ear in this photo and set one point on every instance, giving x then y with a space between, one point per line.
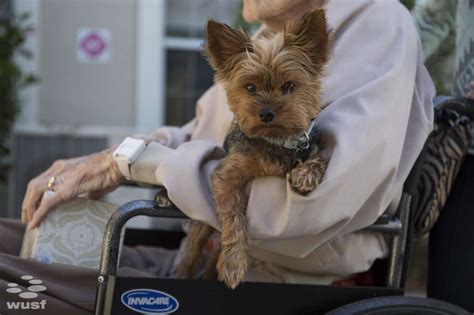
310 34
223 42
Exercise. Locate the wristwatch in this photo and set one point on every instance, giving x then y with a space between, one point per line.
127 153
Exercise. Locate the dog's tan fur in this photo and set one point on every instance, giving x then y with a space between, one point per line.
297 55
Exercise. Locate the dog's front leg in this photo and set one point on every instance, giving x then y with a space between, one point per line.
307 176
229 181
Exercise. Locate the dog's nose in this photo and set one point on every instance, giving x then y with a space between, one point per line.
266 115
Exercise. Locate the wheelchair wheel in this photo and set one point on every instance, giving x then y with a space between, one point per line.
399 305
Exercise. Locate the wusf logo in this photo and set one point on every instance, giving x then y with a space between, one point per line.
26 299
149 301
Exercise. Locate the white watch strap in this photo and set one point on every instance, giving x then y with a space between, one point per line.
124 168
126 153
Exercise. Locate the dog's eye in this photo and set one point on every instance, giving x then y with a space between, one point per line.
288 87
251 88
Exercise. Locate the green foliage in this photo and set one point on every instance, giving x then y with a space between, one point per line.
12 79
239 21
408 3
440 64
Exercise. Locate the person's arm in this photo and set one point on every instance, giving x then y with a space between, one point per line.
170 136
159 144
164 141
98 173
434 20
69 179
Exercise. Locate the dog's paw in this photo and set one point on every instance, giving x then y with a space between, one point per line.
307 176
232 265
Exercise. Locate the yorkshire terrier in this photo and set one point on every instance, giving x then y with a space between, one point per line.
273 86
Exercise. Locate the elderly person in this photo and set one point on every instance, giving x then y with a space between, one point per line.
378 114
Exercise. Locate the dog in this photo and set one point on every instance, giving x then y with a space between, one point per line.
273 87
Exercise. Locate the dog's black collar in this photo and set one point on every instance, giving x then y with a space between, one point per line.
303 152
295 142
302 144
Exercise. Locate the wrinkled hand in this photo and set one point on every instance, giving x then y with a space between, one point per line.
470 94
89 174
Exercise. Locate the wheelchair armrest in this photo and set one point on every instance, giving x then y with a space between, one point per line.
386 224
449 105
161 195
111 242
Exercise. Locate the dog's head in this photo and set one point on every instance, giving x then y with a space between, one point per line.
272 83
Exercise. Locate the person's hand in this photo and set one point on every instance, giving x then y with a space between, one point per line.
91 174
470 94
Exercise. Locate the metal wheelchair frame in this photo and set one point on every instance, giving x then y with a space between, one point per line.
397 226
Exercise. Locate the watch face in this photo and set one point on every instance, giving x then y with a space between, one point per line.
130 149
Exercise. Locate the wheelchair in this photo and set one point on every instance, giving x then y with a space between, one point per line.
163 296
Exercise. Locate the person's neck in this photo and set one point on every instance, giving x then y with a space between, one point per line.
277 23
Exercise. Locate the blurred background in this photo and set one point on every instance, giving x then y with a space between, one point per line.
79 75
103 69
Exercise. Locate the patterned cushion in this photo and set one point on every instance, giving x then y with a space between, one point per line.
445 151
71 234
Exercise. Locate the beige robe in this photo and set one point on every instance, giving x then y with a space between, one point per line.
378 98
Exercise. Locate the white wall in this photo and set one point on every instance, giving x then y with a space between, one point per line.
78 93
110 100
121 97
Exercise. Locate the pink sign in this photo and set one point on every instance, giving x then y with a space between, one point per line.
93 45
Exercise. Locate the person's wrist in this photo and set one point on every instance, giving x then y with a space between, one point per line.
116 174
119 177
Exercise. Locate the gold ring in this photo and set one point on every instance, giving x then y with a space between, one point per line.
51 183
